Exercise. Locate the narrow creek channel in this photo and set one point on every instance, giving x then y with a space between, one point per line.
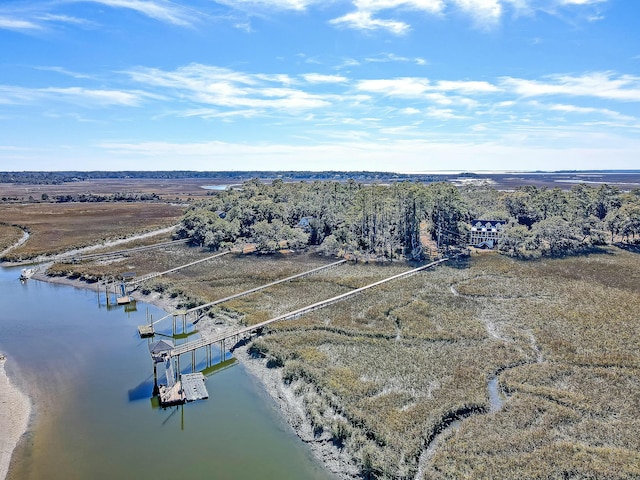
90 378
496 401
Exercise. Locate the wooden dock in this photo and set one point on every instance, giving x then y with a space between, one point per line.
193 387
171 395
145 331
244 332
189 388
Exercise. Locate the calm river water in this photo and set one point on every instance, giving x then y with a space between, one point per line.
91 378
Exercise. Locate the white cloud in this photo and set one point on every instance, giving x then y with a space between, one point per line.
297 5
39 15
391 57
432 6
64 71
466 86
483 11
372 15
319 78
590 110
11 95
160 10
50 17
416 87
580 2
399 87
596 84
367 11
444 114
100 97
230 89
364 21
8 23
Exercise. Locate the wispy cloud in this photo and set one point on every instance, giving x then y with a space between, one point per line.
18 24
597 84
40 15
249 5
367 15
606 112
444 114
391 15
64 71
326 102
160 10
320 78
12 95
230 89
391 57
419 87
484 12
362 20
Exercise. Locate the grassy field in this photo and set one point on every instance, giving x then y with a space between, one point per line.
387 371
9 235
60 227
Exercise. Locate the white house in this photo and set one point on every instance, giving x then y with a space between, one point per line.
486 233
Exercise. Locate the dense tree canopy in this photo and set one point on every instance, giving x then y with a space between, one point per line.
388 220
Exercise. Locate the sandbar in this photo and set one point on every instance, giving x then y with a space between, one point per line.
15 408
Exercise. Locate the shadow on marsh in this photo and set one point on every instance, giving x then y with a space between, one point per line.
629 247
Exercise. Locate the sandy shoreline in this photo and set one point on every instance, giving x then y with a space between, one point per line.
337 462
15 409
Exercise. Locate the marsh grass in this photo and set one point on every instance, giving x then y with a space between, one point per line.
574 413
9 235
60 227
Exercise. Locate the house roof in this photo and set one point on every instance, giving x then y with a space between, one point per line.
160 346
492 222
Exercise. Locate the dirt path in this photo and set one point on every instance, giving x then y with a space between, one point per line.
25 237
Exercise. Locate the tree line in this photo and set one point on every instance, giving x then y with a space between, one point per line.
60 177
339 217
393 221
86 198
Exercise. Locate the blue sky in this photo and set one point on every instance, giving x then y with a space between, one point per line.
395 85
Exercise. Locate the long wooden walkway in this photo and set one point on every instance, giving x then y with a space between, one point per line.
146 278
244 331
252 290
117 253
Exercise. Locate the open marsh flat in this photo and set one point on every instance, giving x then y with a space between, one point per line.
90 377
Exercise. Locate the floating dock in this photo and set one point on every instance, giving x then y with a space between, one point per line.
193 387
189 388
124 300
145 331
